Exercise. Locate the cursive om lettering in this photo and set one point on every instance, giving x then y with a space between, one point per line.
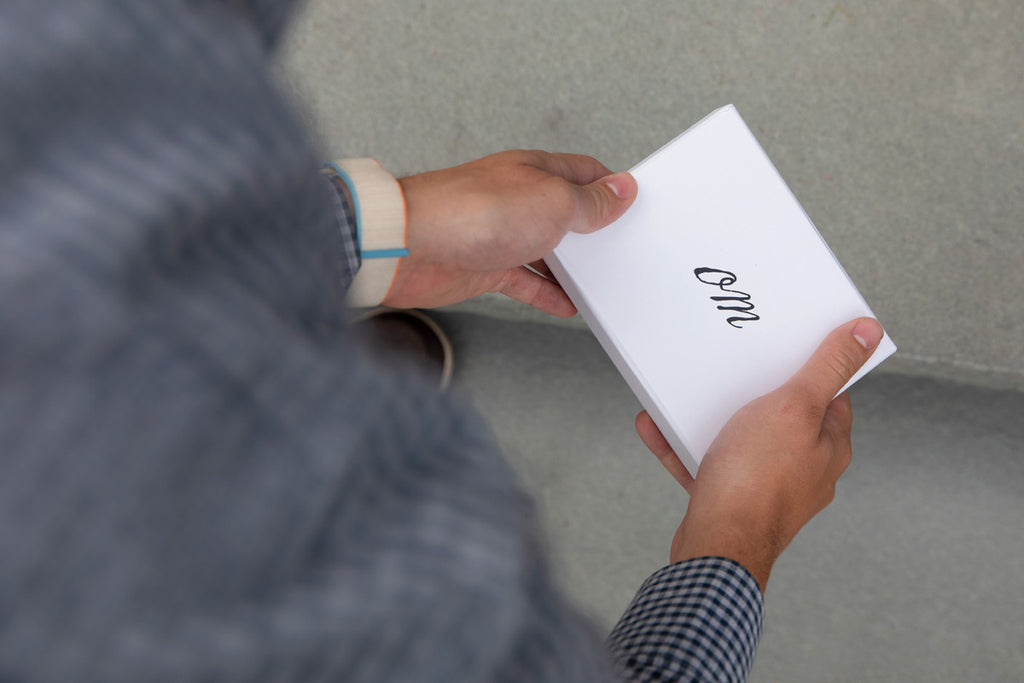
740 301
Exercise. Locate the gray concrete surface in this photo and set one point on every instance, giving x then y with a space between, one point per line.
914 574
898 125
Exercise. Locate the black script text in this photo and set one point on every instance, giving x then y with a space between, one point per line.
739 301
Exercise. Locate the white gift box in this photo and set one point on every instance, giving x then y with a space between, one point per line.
713 288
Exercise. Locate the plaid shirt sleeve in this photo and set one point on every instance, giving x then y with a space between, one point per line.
346 218
698 620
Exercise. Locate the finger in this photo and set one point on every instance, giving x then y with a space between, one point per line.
578 169
836 429
837 360
532 289
838 419
602 201
656 443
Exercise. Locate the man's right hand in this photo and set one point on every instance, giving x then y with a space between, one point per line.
775 464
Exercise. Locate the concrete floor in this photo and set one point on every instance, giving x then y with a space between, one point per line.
899 127
914 573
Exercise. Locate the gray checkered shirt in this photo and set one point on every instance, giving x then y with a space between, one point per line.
202 478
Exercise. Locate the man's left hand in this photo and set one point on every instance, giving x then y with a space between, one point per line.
472 228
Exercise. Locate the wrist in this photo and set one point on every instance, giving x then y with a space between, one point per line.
741 538
431 211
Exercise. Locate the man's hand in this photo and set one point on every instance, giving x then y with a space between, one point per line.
775 463
473 227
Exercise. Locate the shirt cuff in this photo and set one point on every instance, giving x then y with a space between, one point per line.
695 620
378 206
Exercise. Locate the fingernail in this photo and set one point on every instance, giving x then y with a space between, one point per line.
868 332
620 183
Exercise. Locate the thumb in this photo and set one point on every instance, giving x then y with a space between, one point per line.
838 359
602 201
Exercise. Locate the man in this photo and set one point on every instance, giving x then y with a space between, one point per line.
203 478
